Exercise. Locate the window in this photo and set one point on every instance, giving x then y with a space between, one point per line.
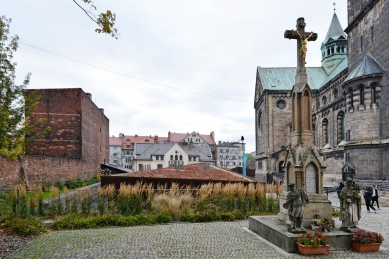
194 159
127 160
372 34
190 158
348 135
362 96
171 157
325 131
240 163
373 94
335 93
156 157
341 127
176 158
140 167
281 104
260 164
162 157
180 157
361 43
347 156
159 166
221 163
350 94
324 100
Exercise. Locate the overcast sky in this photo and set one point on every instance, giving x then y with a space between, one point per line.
178 65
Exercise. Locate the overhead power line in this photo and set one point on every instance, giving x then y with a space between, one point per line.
133 77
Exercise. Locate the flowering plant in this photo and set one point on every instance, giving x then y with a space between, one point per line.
363 237
322 222
315 240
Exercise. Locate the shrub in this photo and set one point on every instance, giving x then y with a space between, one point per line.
208 216
191 217
25 227
78 222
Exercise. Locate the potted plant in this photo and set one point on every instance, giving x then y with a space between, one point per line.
364 241
325 224
308 244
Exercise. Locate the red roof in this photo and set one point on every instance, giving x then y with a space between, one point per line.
191 172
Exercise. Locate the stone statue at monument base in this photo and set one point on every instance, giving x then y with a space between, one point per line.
350 206
295 202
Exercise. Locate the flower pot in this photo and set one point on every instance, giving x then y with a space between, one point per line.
363 248
310 250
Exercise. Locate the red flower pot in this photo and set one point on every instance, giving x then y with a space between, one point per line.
310 250
363 248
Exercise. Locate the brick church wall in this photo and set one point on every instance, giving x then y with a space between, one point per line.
378 17
334 161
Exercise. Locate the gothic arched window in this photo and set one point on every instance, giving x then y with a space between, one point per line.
324 100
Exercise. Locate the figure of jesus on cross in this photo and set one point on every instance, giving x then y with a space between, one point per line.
303 38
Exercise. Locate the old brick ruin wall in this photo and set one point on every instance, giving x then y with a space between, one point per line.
40 169
75 147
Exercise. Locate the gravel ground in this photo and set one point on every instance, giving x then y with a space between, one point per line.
11 243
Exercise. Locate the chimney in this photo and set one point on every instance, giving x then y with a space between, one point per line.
102 110
89 95
121 135
213 135
191 144
220 142
156 137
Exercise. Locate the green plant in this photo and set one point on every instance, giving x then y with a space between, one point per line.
25 227
335 213
315 240
365 237
190 217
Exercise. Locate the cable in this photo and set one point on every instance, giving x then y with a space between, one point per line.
144 80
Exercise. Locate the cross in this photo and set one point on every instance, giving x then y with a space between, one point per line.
302 38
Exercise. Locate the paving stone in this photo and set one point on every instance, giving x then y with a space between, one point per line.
192 240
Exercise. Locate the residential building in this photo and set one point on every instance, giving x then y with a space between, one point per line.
160 155
229 154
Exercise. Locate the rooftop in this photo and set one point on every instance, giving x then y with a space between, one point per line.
191 172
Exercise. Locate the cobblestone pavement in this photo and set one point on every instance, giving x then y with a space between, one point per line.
196 240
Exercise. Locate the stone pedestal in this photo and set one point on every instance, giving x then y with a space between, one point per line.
275 231
318 207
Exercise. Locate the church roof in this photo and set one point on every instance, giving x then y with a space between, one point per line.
368 66
336 71
335 30
283 78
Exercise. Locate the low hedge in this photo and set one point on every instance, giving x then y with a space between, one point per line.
24 227
78 222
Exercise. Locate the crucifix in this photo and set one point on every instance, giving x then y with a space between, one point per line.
302 38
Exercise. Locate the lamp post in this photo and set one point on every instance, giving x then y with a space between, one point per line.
243 159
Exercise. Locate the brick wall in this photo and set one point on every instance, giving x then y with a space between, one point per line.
41 169
61 108
95 133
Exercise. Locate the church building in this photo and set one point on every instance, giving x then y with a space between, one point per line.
350 91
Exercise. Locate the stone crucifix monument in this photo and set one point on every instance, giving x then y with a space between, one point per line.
304 168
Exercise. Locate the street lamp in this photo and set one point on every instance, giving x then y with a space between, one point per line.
243 159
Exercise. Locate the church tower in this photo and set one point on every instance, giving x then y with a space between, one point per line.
334 46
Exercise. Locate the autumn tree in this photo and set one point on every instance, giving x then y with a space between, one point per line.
15 127
105 21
